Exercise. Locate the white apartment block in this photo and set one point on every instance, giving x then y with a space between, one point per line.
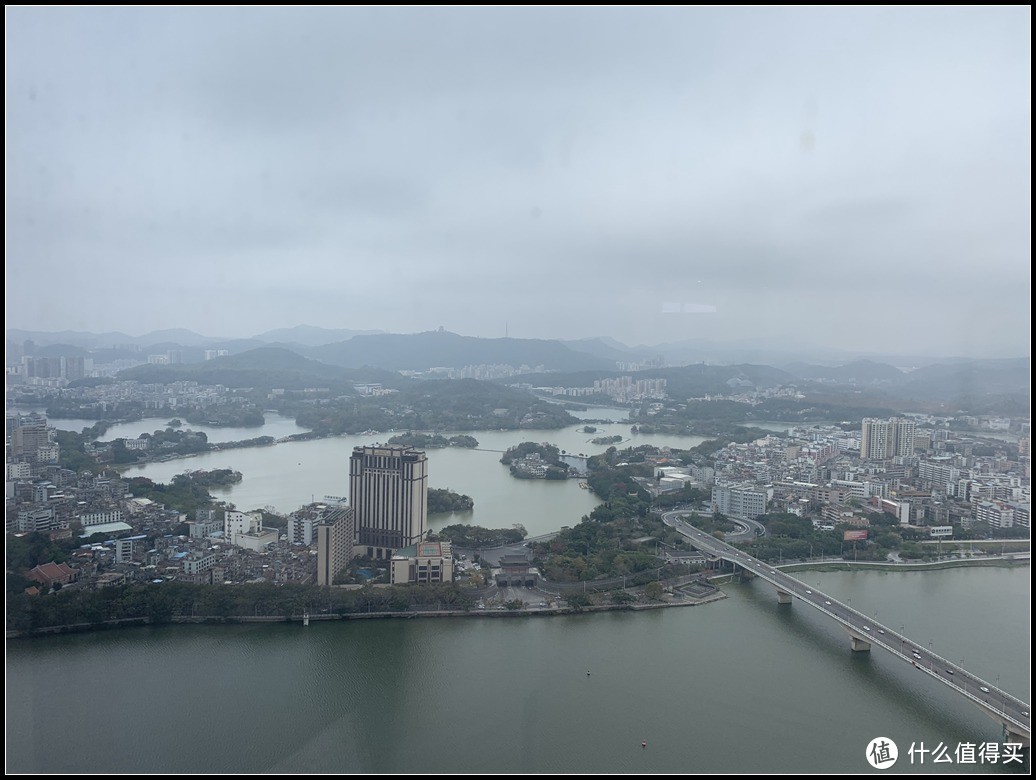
743 502
100 518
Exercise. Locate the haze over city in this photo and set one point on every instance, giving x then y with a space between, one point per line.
847 177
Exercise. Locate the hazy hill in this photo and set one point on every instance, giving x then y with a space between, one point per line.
609 349
857 372
965 384
266 367
61 350
310 335
176 336
74 337
421 351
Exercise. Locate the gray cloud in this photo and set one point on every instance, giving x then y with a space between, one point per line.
860 175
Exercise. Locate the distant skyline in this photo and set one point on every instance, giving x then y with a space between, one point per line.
855 178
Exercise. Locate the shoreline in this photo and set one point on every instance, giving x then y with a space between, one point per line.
214 620
685 600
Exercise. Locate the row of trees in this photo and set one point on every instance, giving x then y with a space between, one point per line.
790 537
472 537
163 602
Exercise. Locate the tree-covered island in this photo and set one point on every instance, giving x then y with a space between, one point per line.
433 441
443 501
529 460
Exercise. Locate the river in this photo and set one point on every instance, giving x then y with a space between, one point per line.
738 686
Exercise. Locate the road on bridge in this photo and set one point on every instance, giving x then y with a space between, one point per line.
1010 711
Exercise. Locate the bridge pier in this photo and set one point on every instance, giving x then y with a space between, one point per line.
783 597
859 645
1016 737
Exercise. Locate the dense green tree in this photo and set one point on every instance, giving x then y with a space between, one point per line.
441 501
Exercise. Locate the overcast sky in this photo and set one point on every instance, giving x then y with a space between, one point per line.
849 177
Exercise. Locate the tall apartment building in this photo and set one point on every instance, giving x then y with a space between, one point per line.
388 490
886 439
26 440
335 533
65 367
302 527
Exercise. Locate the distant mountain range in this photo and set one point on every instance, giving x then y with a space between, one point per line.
856 372
303 338
310 336
289 356
610 349
110 340
302 335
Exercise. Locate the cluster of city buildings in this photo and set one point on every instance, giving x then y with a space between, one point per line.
480 371
175 356
923 476
921 473
623 389
126 397
26 366
50 371
386 520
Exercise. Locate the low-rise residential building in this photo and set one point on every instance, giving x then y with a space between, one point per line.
422 562
246 530
101 518
995 513
36 520
198 561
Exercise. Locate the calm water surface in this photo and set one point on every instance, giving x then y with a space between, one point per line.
288 475
741 685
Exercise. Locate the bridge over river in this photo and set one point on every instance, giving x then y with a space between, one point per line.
865 632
